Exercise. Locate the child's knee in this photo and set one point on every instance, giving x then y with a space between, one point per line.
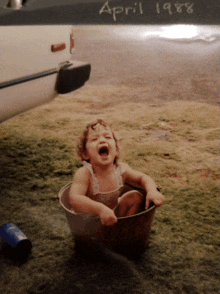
139 195
129 203
132 197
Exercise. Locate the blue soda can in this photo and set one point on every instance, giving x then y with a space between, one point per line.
12 235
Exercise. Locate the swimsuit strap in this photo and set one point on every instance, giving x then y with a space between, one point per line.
95 185
118 172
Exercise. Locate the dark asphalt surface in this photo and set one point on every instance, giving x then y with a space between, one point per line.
126 55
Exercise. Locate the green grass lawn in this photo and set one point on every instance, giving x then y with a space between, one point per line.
175 143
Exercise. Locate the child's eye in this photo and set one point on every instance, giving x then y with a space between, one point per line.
108 137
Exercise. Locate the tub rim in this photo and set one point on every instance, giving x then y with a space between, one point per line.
151 207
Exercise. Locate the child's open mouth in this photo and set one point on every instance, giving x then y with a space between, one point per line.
103 151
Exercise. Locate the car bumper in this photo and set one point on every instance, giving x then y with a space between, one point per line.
72 76
22 94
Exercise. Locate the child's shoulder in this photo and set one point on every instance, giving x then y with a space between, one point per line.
82 173
123 166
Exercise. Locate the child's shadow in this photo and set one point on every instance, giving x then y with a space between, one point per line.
100 271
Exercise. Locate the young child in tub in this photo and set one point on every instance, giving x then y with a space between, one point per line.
97 186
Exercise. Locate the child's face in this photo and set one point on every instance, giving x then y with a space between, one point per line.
101 147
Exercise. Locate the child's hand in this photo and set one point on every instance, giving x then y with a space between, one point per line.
107 216
154 196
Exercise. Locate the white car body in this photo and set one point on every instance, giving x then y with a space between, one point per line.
36 66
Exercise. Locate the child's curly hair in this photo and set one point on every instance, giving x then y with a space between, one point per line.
81 147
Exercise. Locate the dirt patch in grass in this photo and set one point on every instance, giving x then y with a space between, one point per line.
176 143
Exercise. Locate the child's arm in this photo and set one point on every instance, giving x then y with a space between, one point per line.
141 180
81 202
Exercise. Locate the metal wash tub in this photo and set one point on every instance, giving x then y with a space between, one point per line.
129 235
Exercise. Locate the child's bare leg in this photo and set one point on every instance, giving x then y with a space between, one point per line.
129 203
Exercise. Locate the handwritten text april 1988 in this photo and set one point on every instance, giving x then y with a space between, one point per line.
137 9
